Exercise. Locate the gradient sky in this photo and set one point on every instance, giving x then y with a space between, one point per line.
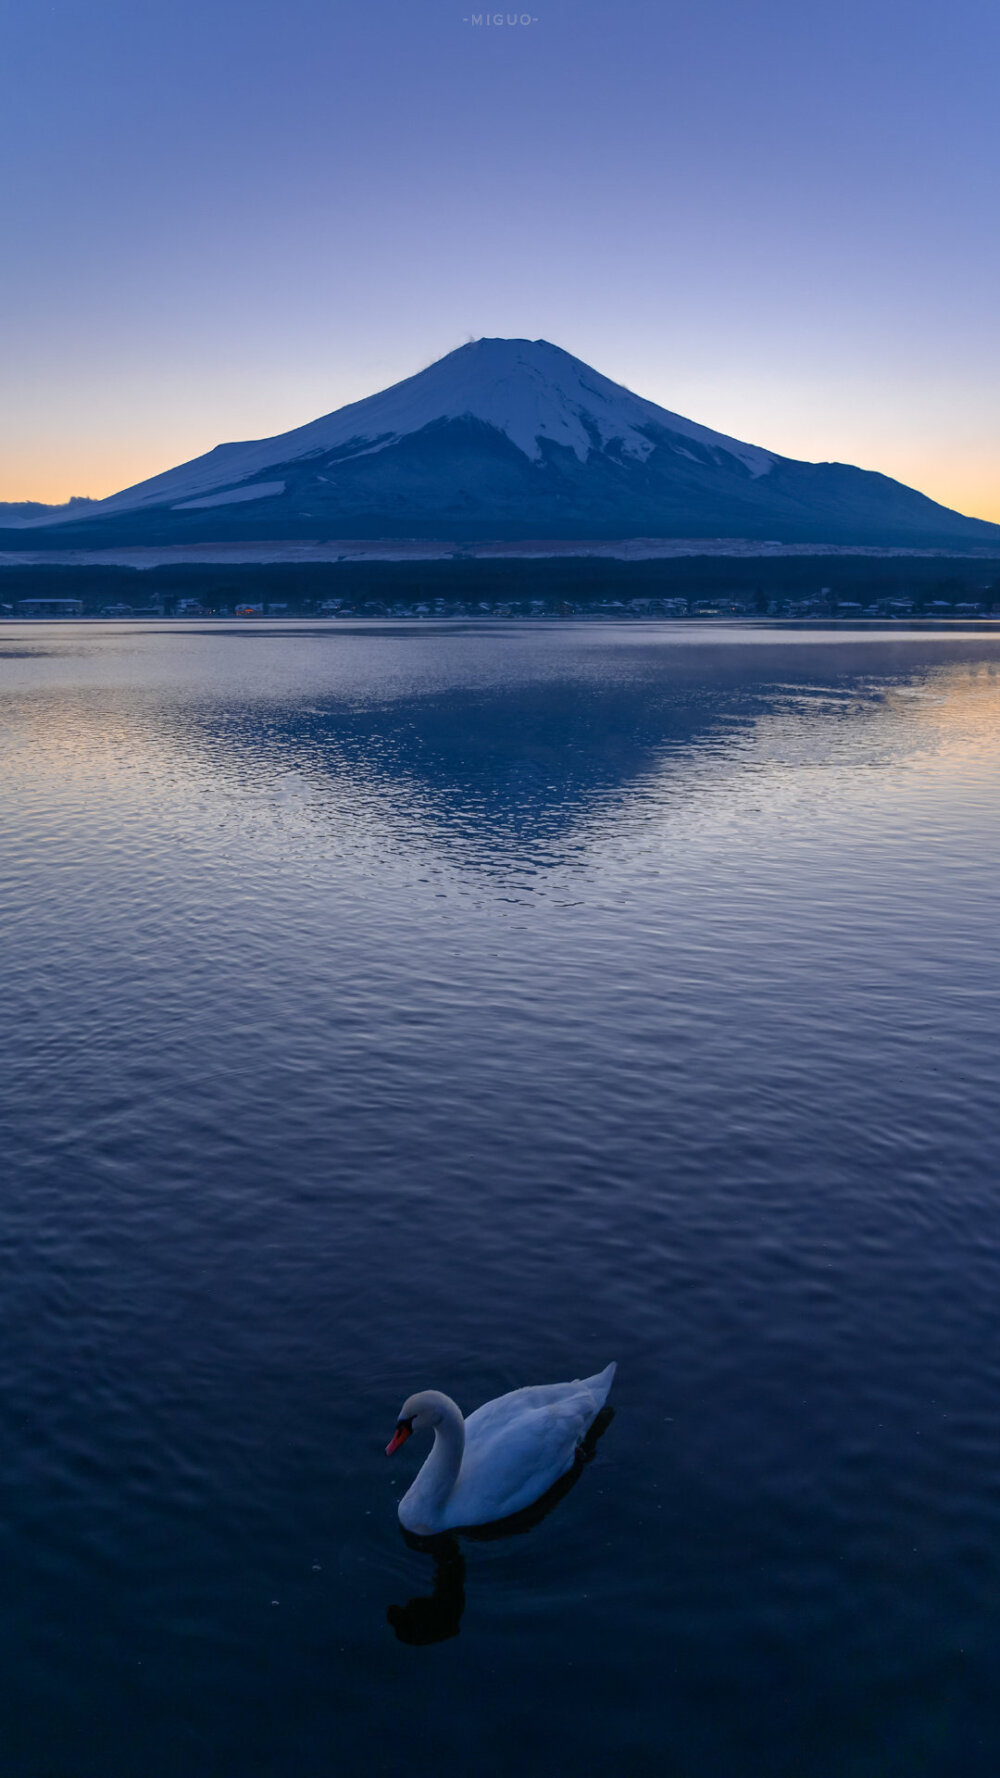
222 218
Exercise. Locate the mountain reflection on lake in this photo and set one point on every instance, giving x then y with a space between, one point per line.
463 1007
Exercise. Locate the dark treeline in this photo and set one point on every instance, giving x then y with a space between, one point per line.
754 585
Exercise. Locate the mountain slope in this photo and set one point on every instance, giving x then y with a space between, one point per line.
509 439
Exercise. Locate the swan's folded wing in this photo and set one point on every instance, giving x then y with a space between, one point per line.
512 1457
587 1393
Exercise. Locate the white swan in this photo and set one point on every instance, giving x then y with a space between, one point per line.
501 1459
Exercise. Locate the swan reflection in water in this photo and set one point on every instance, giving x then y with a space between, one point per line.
437 1617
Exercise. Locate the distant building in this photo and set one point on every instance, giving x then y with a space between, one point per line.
50 607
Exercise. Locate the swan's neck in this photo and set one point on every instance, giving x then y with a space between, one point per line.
440 1472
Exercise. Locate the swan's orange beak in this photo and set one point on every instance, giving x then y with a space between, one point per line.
399 1437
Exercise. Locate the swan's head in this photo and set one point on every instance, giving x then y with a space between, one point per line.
424 1410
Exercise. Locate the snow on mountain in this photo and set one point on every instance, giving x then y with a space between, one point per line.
232 496
528 389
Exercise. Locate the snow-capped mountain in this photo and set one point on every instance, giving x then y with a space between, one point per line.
507 439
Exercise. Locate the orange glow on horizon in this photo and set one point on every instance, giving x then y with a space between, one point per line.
969 485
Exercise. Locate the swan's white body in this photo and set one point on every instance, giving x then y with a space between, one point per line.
501 1459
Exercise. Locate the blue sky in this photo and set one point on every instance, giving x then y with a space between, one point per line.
222 219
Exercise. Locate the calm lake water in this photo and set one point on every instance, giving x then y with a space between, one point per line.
464 1007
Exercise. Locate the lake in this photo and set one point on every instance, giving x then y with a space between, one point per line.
463 1006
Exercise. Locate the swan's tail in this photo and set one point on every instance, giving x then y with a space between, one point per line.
600 1386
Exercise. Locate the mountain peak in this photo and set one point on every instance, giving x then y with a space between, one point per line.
534 391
